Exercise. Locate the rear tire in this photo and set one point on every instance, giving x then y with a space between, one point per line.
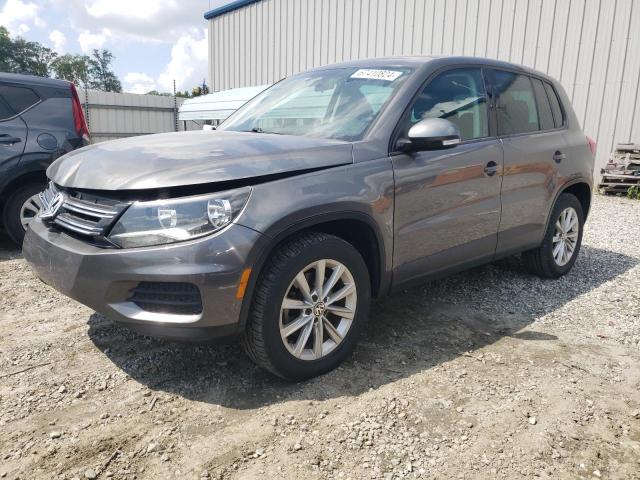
12 215
547 261
278 306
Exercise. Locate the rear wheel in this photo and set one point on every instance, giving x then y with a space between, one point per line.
20 208
309 308
562 240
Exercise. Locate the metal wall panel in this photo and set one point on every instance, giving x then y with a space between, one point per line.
117 115
591 46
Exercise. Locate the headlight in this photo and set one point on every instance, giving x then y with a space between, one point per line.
177 219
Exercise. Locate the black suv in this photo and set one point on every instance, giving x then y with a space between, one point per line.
40 119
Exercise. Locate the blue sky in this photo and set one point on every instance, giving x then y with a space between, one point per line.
154 41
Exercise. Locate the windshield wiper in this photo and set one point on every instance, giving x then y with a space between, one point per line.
260 130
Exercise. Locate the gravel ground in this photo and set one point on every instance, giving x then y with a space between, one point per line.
491 373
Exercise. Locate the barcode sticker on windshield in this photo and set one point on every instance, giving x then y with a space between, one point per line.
370 74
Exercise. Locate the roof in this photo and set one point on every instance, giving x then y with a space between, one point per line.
217 105
437 60
229 7
33 80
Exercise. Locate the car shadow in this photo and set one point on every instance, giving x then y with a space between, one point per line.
408 332
8 250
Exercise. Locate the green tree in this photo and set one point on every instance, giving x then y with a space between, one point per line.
100 75
20 56
6 50
74 68
200 90
155 92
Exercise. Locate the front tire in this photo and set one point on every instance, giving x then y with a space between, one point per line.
310 306
20 208
562 240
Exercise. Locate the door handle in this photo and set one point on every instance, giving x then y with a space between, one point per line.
491 168
8 139
559 156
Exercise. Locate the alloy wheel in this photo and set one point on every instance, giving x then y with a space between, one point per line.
29 210
318 309
565 236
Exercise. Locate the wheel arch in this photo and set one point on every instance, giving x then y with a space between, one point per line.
357 228
20 180
582 190
579 187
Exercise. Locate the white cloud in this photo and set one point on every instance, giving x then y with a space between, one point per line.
139 83
17 16
116 24
88 40
139 9
58 40
139 20
188 65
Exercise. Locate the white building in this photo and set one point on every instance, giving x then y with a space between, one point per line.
213 108
591 46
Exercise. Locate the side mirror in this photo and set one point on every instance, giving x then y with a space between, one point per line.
431 134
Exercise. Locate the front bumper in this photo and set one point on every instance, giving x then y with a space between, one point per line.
103 279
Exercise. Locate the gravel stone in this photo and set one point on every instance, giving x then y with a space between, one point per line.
447 383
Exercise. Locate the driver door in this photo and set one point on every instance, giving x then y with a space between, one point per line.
447 202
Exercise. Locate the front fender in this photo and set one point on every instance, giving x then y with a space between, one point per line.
361 192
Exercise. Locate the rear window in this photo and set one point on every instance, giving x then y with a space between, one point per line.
516 103
544 108
558 116
18 98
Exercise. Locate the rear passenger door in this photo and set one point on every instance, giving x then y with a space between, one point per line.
13 136
533 146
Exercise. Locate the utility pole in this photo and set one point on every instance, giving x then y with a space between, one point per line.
175 108
86 107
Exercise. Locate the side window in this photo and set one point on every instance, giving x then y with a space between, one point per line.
555 105
5 111
18 98
456 95
544 108
515 104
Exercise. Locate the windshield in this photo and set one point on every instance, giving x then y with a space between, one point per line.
340 103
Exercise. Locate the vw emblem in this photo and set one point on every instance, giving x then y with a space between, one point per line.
318 309
48 212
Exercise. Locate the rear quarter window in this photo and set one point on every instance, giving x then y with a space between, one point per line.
18 98
544 107
558 115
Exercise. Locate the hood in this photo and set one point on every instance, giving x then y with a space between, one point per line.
190 158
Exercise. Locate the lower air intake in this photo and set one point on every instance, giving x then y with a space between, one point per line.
167 297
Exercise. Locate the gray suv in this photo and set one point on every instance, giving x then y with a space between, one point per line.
335 185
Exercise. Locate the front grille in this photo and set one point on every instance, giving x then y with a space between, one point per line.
81 213
167 297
